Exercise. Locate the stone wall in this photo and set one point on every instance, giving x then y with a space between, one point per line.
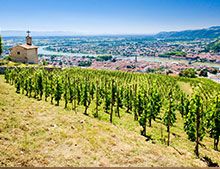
20 54
21 57
32 56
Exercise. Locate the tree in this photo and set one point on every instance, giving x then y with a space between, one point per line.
135 103
26 86
30 87
142 122
143 114
204 73
173 53
103 58
170 115
52 88
113 97
47 89
35 84
72 93
58 90
194 122
128 99
191 73
98 100
107 99
7 73
66 89
78 91
183 105
214 122
86 97
1 47
18 85
140 106
40 83
85 63
118 101
154 104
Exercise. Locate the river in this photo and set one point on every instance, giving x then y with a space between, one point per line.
41 50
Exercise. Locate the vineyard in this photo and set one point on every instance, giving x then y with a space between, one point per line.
147 98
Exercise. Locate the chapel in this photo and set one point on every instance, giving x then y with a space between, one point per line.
25 53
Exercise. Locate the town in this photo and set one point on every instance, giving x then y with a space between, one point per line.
127 53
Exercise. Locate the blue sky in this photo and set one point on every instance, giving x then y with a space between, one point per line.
108 16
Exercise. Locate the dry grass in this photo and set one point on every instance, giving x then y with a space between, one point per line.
7 63
185 87
36 133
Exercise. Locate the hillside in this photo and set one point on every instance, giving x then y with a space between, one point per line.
214 46
36 133
212 32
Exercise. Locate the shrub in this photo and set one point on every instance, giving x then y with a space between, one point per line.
85 63
204 73
191 73
7 58
104 58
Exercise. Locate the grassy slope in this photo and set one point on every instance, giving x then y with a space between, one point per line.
11 64
36 133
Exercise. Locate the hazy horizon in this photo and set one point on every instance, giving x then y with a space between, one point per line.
109 17
71 33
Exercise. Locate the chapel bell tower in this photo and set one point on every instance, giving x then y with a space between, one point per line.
28 38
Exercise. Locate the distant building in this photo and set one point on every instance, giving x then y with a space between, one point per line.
26 53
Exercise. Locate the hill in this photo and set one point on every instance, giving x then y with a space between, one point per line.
37 133
214 46
212 32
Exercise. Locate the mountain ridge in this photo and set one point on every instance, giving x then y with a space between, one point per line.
211 32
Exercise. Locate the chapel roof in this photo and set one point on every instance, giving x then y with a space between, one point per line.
28 46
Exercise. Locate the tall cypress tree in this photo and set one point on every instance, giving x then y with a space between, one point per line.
1 47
